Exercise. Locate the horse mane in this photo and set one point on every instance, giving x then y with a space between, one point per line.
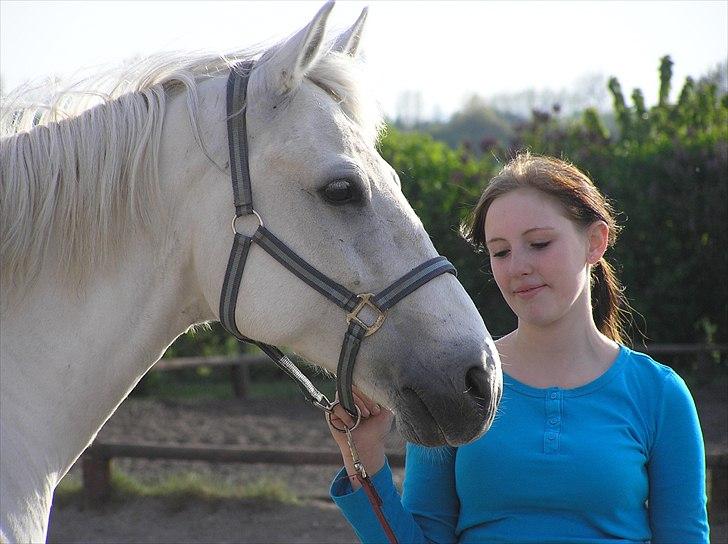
79 163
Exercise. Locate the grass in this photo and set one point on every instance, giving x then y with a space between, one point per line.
178 489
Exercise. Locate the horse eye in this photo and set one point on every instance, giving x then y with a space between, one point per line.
339 191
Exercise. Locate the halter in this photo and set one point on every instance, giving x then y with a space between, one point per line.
361 324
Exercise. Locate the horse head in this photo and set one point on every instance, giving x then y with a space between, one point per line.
320 185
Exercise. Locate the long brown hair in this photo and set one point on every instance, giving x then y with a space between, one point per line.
584 204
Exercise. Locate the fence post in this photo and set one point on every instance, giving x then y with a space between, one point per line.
240 377
96 475
717 483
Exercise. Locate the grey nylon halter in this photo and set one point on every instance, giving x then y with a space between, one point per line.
349 301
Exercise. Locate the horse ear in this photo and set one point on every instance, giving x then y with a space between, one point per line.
288 65
348 41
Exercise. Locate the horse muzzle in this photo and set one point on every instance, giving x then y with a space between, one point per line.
450 407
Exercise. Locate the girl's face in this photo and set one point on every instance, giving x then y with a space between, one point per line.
540 259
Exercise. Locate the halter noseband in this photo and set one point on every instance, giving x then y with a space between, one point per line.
352 303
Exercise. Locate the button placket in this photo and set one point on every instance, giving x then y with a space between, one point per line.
553 421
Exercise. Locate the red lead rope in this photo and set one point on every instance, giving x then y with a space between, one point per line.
376 502
362 477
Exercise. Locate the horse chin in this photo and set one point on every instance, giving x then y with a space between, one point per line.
417 423
430 436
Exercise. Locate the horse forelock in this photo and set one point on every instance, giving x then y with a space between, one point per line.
80 160
345 80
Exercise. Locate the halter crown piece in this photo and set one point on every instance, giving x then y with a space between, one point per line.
361 323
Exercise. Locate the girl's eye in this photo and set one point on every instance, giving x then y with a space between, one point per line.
499 254
540 245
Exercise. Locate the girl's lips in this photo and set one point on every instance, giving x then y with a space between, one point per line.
528 292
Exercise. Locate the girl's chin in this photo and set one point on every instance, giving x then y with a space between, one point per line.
536 317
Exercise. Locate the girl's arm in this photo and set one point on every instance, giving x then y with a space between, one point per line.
429 510
676 470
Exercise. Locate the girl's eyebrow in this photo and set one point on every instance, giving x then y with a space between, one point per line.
522 234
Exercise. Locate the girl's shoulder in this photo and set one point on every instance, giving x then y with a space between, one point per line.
651 375
644 365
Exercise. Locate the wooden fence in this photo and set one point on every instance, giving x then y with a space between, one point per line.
96 461
239 365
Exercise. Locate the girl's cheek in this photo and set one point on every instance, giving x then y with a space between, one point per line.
499 276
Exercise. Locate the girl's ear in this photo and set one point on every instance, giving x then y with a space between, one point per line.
598 240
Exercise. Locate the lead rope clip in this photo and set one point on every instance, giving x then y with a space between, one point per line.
361 473
358 466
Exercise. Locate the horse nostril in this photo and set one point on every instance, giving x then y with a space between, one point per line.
477 385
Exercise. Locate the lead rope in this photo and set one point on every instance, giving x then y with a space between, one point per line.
362 477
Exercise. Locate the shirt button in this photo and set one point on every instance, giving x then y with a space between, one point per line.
550 437
554 395
553 421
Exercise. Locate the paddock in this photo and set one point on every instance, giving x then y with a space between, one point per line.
243 439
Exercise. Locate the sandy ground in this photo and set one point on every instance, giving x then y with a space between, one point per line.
261 423
253 423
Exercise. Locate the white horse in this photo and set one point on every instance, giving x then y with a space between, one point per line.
115 234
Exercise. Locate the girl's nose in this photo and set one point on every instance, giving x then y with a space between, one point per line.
520 264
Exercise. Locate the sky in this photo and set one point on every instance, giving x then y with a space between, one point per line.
445 51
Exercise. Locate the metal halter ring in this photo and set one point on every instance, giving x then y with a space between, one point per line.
260 221
346 429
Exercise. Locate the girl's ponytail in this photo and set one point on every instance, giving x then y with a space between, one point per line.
609 305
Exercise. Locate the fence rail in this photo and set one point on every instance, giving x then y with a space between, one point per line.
96 461
239 365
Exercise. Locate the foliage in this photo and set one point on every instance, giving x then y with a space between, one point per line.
666 169
475 123
443 185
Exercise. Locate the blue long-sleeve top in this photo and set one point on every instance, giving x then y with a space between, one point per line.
620 459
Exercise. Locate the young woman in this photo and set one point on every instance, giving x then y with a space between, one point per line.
593 442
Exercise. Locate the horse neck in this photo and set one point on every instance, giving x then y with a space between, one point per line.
70 357
73 359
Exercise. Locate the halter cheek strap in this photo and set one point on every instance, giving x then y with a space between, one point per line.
359 308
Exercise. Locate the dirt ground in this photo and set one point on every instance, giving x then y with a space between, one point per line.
261 423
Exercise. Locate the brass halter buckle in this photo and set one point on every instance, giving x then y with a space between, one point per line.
365 300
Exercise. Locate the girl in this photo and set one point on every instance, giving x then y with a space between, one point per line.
593 443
